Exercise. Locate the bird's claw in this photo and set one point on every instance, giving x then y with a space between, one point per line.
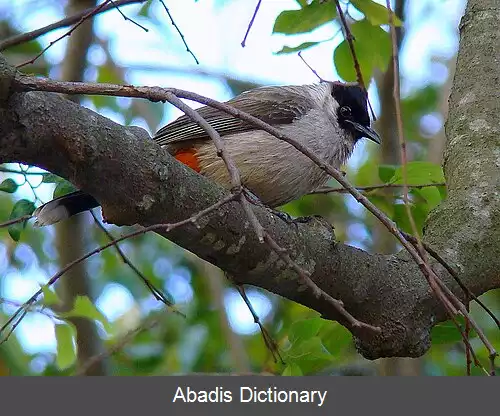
295 221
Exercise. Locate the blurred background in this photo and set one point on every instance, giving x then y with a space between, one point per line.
131 333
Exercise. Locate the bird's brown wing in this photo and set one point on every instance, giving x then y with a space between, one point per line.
268 105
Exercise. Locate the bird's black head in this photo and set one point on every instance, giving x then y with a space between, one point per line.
352 113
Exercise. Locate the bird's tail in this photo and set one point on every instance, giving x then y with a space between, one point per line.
63 207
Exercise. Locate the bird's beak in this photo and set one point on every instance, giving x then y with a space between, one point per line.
367 132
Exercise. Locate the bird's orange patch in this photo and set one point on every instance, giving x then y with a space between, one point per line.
188 158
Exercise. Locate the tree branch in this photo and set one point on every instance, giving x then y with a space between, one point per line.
67 21
147 186
465 229
150 187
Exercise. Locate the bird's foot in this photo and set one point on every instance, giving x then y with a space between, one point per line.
252 198
305 220
285 216
295 221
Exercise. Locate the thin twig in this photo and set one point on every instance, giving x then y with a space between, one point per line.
469 322
147 324
468 345
27 83
270 343
446 291
236 185
310 67
14 321
359 328
35 309
468 360
453 274
327 190
233 171
15 221
155 291
67 21
179 32
85 17
20 172
114 3
68 33
427 271
26 180
254 222
492 353
399 121
350 41
243 42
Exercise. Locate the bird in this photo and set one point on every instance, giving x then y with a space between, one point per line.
329 117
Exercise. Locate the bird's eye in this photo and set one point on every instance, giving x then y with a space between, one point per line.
345 111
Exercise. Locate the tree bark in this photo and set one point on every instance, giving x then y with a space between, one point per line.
137 182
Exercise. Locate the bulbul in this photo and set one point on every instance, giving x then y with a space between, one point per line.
329 118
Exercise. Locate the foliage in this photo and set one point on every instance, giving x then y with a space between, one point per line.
198 341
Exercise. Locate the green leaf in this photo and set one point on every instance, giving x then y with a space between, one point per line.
419 173
84 308
63 188
373 50
418 211
24 49
102 101
145 8
66 354
49 297
442 191
107 73
304 330
386 205
375 13
305 19
335 338
9 186
367 174
448 333
21 208
431 195
292 370
301 47
311 355
386 172
15 231
51 178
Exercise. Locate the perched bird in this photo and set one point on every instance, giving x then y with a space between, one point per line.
329 118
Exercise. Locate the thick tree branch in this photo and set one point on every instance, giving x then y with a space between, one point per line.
138 182
465 228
